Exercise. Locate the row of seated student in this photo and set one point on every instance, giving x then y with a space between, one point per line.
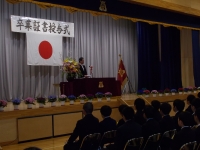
146 121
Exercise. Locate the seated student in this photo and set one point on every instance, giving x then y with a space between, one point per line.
139 105
166 123
108 123
178 107
88 125
151 126
127 131
190 98
121 121
195 105
197 119
156 106
186 134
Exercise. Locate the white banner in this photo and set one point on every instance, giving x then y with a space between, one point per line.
35 25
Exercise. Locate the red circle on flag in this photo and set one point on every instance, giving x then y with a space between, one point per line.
45 49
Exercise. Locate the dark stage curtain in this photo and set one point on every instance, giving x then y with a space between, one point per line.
170 58
196 56
148 56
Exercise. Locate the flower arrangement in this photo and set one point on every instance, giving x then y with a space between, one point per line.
167 90
82 96
3 103
139 92
90 96
180 89
190 88
154 92
71 97
62 97
99 95
16 101
108 94
41 100
160 91
29 100
52 98
185 89
146 92
70 68
173 90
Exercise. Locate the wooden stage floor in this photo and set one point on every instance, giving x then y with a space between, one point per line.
57 143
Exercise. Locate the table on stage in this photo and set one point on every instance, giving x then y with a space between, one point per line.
91 86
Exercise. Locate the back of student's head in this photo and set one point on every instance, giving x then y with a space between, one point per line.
190 98
32 148
155 104
106 110
179 104
186 118
128 113
139 104
88 108
121 108
196 103
165 108
149 111
198 95
197 113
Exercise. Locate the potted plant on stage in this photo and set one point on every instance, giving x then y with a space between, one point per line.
52 99
71 99
16 102
108 95
154 92
146 92
82 98
195 89
185 90
3 103
160 92
41 101
99 96
180 90
71 69
29 101
62 99
167 91
90 97
190 89
173 91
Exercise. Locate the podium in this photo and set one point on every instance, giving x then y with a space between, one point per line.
91 86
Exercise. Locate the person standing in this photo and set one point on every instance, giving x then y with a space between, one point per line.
82 67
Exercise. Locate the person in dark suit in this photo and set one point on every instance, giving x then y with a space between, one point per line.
178 107
121 121
186 134
166 123
197 120
190 98
88 125
82 67
151 126
139 105
127 131
108 124
195 105
156 106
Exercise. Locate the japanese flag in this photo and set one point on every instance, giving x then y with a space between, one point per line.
44 49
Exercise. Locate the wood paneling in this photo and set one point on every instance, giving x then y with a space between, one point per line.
65 123
191 7
8 130
34 128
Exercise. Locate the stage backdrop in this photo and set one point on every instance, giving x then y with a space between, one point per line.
99 39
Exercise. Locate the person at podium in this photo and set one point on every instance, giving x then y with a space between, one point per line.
82 68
